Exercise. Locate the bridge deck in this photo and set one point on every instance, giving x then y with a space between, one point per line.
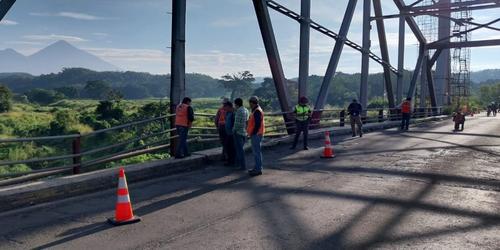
428 187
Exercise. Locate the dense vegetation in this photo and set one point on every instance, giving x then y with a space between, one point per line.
133 85
84 116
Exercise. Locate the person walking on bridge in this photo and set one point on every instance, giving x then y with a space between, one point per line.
302 118
405 113
256 130
354 111
459 119
184 117
240 132
220 124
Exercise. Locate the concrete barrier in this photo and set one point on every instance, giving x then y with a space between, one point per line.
28 194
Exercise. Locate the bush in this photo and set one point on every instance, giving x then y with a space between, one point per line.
108 110
378 103
5 99
43 96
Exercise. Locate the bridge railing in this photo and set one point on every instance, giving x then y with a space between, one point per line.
92 151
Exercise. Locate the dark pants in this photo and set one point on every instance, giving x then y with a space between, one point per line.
301 127
230 148
459 126
182 147
356 120
405 121
222 135
239 142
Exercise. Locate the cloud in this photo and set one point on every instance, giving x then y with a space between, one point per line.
72 15
23 43
54 37
6 22
212 62
130 55
79 16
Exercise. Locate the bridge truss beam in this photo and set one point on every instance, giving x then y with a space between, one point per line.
280 82
5 6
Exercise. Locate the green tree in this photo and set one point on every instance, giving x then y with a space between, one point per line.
267 93
377 103
239 84
70 92
135 91
109 110
97 90
114 96
43 96
153 109
489 93
63 121
5 99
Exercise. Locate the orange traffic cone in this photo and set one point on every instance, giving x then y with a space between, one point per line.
328 151
123 209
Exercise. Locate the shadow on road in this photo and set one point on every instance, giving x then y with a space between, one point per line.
283 222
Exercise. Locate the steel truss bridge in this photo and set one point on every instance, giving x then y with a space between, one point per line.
407 13
441 9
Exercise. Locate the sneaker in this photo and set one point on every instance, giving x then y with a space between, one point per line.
254 172
360 135
306 148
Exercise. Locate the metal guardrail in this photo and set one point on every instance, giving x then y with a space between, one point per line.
275 127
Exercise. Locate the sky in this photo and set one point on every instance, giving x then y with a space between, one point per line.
222 35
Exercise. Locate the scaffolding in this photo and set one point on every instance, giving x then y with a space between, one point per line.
458 83
459 87
430 30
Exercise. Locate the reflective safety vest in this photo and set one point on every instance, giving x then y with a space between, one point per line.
406 107
181 115
222 117
251 123
302 112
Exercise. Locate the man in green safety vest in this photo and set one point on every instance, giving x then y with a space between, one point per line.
302 117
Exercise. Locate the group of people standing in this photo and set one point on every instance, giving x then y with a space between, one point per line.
492 109
235 124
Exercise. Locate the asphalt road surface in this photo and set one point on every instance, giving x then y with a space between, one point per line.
427 188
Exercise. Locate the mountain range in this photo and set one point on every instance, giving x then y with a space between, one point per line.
52 59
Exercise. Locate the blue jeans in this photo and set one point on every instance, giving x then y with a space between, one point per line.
182 147
257 152
239 142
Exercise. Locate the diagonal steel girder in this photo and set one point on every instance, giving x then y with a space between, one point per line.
377 6
416 72
314 25
465 32
5 6
430 82
337 51
273 56
411 22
